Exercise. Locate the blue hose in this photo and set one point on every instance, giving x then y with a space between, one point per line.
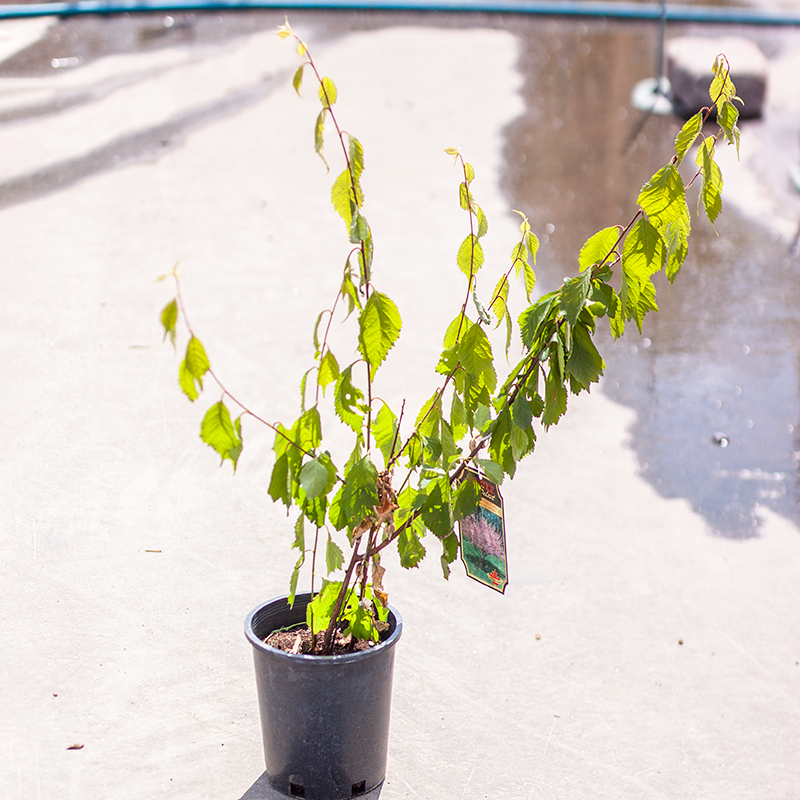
568 8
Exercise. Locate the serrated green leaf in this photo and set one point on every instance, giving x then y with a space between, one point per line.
585 362
469 173
722 88
688 135
482 314
555 399
218 432
360 494
464 196
598 247
299 542
727 119
379 327
384 429
475 356
711 193
494 472
328 370
467 497
427 422
499 305
455 331
314 478
470 256
169 318
534 318
356 156
342 196
319 138
297 80
334 558
521 413
280 485
327 92
532 243
573 294
193 367
483 223
449 553
294 578
187 382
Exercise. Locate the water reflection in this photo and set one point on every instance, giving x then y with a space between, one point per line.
714 379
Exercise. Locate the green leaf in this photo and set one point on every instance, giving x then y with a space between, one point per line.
328 370
314 478
327 92
299 534
464 196
449 553
455 331
687 135
494 472
521 412
555 399
294 578
470 256
194 365
643 254
467 497
348 290
522 442
427 422
410 547
360 495
356 155
482 314
359 229
722 89
319 139
307 431
280 484
584 363
379 327
475 355
573 294
532 243
347 401
297 80
727 118
320 609
711 193
218 432
384 429
499 305
483 224
598 247
533 319
342 196
334 558
169 318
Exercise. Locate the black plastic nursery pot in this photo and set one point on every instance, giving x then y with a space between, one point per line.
324 719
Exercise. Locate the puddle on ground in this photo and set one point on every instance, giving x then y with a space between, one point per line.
713 380
714 377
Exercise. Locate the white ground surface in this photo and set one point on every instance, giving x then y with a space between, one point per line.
129 561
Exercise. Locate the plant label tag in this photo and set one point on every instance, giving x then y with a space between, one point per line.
483 536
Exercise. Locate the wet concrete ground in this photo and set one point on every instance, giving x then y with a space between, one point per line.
133 142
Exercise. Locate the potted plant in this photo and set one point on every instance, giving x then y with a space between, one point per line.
324 657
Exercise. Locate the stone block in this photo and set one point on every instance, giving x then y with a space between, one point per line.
689 62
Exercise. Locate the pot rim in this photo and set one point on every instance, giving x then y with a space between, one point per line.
309 659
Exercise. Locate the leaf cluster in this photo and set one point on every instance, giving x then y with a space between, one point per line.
400 483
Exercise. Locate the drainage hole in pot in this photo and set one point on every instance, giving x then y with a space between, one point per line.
297 790
358 788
